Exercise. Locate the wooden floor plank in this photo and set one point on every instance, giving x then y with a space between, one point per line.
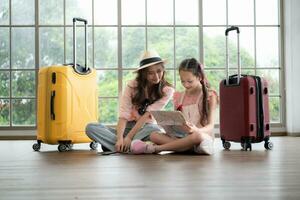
84 174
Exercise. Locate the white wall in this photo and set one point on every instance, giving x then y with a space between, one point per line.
292 65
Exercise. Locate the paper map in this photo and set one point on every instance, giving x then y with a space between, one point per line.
166 118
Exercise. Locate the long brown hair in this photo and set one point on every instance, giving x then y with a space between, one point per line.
155 93
197 69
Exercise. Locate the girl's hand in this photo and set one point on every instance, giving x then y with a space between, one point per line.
126 144
119 145
189 127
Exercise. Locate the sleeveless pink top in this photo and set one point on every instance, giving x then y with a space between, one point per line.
191 106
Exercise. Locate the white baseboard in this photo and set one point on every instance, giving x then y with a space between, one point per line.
18 133
294 134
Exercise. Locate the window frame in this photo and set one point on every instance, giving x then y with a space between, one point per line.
120 70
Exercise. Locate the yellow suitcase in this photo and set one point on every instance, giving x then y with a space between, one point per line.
67 102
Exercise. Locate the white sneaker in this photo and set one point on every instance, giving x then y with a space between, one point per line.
205 147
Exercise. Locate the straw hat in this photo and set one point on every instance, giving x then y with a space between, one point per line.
148 59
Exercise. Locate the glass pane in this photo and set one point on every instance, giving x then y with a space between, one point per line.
106 47
272 76
214 78
179 86
4 112
233 71
133 44
108 83
23 84
162 40
80 45
186 12
4 84
214 47
267 47
240 12
51 12
274 107
127 76
267 16
23 48
108 109
187 44
78 8
4 12
106 12
247 47
51 46
160 12
23 112
4 50
133 12
22 12
210 8
169 76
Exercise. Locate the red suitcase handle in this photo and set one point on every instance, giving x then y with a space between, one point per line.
232 28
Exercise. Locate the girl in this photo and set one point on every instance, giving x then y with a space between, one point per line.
148 91
198 104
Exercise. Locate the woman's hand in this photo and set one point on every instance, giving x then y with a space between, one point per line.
119 145
123 145
128 139
126 144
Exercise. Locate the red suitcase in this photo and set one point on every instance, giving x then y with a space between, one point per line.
244 107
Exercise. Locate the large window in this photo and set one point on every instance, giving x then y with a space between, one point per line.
35 34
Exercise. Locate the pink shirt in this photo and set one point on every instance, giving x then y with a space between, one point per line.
130 113
190 100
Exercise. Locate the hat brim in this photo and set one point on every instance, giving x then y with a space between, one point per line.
149 64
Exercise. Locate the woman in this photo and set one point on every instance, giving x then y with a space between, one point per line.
148 91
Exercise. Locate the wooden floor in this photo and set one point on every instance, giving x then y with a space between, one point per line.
84 174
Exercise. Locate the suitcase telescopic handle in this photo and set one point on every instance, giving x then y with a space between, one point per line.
232 28
75 41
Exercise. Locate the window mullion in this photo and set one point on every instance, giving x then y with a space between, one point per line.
201 46
64 10
146 24
93 34
255 61
174 43
37 53
120 70
10 65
